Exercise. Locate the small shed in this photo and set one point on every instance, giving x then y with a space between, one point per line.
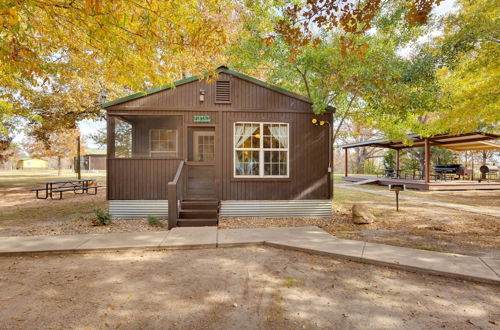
227 145
32 163
92 160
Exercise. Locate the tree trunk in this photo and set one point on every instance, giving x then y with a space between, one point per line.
58 165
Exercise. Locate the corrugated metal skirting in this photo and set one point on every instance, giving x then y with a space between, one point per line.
276 209
131 209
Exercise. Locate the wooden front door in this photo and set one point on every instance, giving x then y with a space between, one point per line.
201 175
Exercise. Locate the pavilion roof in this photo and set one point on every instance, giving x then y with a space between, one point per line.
460 142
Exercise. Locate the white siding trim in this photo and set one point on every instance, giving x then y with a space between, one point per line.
133 209
276 209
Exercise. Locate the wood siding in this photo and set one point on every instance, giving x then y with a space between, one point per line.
147 179
308 160
140 178
244 95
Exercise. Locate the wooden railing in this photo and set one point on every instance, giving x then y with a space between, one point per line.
175 194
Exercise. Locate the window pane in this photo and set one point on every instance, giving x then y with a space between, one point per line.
267 142
247 162
275 142
155 146
282 157
283 168
267 169
155 134
275 169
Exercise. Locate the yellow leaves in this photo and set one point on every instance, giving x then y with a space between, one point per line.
9 16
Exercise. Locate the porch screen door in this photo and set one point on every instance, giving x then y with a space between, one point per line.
201 181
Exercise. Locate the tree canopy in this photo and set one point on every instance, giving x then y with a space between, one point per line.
57 55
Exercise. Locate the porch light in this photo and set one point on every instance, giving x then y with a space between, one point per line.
202 95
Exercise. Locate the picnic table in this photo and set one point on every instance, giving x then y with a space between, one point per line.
77 186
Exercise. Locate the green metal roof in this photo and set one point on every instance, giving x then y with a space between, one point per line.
194 78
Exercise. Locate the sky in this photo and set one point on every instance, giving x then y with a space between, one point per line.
88 127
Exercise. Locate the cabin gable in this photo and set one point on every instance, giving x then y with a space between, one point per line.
228 92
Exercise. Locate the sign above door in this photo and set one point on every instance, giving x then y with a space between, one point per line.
202 119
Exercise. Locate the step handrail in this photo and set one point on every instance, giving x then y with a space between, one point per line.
175 193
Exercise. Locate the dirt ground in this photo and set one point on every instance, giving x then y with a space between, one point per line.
416 225
236 288
24 215
481 198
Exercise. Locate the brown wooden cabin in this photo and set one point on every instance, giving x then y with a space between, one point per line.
227 145
92 160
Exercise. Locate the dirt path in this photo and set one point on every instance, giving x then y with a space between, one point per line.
234 288
467 208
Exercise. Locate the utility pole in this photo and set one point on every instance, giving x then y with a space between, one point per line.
78 169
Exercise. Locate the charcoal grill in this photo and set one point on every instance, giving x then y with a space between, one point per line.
488 172
449 169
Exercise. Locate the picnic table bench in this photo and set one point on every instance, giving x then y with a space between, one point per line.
77 186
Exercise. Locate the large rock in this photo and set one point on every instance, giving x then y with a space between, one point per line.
362 215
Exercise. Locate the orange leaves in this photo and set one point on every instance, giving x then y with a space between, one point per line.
92 7
419 11
352 17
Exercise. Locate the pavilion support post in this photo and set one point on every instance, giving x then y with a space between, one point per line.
427 154
346 171
397 163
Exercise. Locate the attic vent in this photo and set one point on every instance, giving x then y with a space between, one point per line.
222 91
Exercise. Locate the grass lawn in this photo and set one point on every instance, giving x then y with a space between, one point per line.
30 178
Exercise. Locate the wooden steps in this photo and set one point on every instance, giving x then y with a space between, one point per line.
198 213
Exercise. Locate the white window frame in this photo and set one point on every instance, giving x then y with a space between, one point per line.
261 150
163 152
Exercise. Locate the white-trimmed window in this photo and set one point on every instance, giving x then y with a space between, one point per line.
163 141
261 150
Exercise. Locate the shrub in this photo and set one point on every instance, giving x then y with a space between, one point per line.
154 221
103 218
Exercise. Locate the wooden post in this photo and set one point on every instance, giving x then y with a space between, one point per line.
472 165
110 120
427 161
172 204
78 167
346 171
397 163
110 149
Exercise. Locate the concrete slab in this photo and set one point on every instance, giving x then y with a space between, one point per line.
246 236
31 244
453 265
322 244
493 263
190 237
124 241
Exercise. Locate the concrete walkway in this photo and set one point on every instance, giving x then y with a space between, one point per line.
308 239
461 207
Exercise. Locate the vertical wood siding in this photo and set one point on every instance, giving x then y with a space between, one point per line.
244 95
308 160
140 178
148 178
